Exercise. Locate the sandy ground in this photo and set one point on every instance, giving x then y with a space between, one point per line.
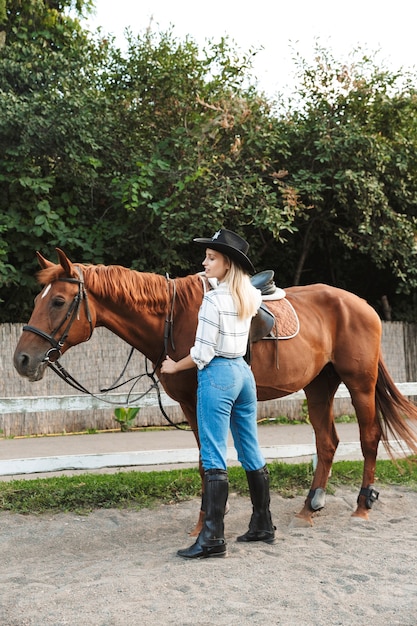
119 568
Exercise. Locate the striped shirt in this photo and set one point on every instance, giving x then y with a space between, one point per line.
220 332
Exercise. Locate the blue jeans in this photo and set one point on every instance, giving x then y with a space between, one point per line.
226 398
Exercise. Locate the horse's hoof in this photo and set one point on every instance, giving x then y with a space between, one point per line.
360 517
300 521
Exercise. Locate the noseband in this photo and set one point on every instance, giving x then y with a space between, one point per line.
67 322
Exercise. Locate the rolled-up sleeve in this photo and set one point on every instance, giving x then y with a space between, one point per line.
207 333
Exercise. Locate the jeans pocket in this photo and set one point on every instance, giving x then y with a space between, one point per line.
220 376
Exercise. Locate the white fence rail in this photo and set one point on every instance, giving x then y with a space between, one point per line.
34 404
13 467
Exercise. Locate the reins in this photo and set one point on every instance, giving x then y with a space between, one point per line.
169 320
130 399
71 315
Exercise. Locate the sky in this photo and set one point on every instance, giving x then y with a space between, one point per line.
384 29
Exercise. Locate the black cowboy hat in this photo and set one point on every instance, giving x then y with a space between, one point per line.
232 245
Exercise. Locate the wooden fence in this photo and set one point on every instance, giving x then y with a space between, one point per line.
48 406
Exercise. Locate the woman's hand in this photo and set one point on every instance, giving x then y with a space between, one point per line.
168 366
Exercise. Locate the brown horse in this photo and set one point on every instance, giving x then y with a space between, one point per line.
339 341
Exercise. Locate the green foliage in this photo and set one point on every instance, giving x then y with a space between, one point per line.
202 153
125 157
49 156
125 416
353 161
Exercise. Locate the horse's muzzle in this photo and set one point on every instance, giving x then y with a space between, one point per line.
29 367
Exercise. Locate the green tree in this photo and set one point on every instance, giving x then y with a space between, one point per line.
125 157
353 161
50 152
200 146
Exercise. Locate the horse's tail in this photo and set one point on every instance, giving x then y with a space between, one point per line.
393 409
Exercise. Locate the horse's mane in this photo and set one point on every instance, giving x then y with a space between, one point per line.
129 287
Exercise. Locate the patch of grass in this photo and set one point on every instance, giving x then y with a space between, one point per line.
280 419
402 472
82 494
286 479
283 419
345 419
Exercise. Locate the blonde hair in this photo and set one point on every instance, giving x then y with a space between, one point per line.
242 290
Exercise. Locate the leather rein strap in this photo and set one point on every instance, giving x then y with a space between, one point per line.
169 321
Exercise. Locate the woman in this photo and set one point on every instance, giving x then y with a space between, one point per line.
226 394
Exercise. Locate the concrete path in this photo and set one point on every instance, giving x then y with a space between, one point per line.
154 449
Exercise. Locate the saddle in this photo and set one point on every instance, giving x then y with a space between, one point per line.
278 320
262 324
264 320
264 281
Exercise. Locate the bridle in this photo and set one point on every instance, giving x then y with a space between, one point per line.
67 322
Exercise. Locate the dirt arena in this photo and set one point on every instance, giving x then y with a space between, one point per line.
119 568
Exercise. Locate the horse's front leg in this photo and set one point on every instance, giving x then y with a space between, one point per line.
320 395
190 415
192 421
199 525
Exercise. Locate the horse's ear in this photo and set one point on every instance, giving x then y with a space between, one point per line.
64 261
44 263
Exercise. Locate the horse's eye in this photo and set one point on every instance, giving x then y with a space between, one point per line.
58 302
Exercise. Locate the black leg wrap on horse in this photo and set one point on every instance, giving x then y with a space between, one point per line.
316 499
210 541
370 494
261 527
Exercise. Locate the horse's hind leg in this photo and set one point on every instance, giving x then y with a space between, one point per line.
370 435
320 393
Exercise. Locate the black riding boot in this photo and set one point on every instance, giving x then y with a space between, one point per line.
261 527
210 541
